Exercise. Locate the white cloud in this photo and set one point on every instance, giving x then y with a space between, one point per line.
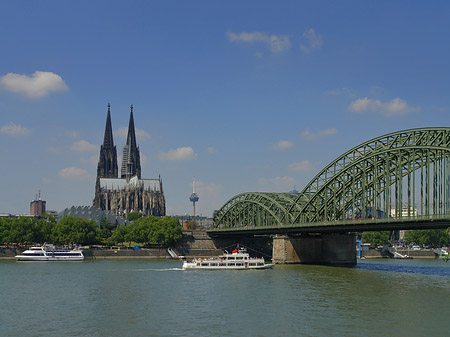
303 166
122 132
312 40
14 130
141 135
276 43
282 145
74 173
209 194
207 191
211 150
310 135
92 160
182 153
40 84
396 107
143 158
83 146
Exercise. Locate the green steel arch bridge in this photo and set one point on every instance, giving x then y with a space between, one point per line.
397 181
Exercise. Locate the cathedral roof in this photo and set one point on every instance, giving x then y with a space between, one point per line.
120 184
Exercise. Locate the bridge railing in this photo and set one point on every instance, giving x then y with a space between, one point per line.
359 224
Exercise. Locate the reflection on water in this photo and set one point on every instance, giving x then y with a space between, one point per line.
409 266
157 298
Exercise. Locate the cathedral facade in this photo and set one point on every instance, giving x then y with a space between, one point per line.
129 193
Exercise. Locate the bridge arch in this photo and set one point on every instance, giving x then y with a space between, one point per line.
404 173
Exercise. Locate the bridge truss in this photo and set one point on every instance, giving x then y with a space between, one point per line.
404 174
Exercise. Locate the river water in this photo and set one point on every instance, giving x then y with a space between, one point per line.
155 298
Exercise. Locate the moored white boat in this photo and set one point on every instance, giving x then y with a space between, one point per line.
237 260
441 253
49 253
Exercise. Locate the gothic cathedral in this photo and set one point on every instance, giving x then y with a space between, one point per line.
129 192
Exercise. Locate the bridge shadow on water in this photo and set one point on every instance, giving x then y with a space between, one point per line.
443 270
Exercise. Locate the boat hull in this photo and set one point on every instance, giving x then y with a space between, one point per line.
48 258
38 253
193 266
237 260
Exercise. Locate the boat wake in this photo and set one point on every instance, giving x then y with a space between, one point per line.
160 269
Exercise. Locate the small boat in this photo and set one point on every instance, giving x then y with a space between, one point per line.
49 253
397 255
237 260
441 253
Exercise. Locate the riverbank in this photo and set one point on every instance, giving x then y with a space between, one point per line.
162 253
124 253
415 254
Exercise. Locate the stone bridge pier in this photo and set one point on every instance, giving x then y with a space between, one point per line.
326 249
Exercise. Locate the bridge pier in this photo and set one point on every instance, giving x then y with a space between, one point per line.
326 249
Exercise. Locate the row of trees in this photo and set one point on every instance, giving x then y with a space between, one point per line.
428 237
145 230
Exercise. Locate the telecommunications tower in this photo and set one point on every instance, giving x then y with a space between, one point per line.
193 198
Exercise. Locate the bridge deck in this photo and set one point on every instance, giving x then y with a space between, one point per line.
344 226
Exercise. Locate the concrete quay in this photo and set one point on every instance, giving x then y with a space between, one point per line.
415 254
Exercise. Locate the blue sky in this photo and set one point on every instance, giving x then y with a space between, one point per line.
243 95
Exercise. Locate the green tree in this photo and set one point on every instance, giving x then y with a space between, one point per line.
376 238
76 230
155 230
428 237
43 229
132 216
20 230
173 230
106 228
191 224
120 235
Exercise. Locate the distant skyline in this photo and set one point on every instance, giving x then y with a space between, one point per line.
245 96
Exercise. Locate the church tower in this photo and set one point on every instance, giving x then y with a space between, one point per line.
107 163
131 161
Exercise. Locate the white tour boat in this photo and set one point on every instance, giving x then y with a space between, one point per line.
49 253
239 260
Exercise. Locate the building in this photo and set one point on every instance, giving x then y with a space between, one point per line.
129 192
92 213
405 212
37 206
202 222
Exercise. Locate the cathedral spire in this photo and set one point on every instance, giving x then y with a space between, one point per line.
108 140
107 163
131 162
131 138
